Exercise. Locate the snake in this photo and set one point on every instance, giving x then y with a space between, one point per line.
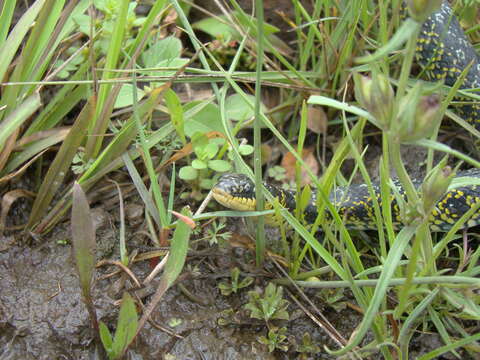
444 51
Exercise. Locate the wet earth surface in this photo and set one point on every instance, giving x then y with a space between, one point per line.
42 315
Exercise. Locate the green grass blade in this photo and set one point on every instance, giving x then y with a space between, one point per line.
17 36
104 108
61 164
393 258
405 32
175 262
18 116
6 14
141 189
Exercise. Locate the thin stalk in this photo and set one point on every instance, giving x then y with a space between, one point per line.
257 141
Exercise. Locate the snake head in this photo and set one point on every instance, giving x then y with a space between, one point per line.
235 191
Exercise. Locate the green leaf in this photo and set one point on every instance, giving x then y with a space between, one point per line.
17 36
199 164
405 32
106 337
175 64
199 141
219 165
61 164
18 116
126 325
211 150
83 238
238 108
245 149
178 249
83 23
176 113
164 49
206 120
125 96
187 173
220 27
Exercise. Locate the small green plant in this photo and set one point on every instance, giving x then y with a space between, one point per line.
205 151
307 346
79 166
214 233
234 285
333 298
277 173
126 329
275 339
104 24
271 306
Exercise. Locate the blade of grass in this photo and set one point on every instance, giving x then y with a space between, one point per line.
9 48
99 126
6 14
174 265
394 256
18 116
257 141
61 164
141 188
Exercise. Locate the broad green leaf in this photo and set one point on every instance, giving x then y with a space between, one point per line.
83 238
237 108
83 23
245 149
126 326
219 165
187 173
125 96
164 49
199 164
176 113
220 27
206 120
210 150
178 249
106 337
175 64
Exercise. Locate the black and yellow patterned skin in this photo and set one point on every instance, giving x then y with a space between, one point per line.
354 204
444 51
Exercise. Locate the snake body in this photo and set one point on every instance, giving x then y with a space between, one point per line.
444 51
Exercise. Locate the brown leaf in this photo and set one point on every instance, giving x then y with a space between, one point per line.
308 156
317 120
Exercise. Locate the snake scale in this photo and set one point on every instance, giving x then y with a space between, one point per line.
444 51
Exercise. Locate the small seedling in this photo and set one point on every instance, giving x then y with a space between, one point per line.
277 173
174 322
269 307
275 339
232 287
333 298
214 235
126 329
307 346
205 151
